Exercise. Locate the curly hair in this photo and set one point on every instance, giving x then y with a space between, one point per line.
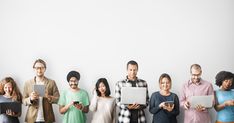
16 95
221 76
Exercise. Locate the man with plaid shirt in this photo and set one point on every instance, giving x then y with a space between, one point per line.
132 113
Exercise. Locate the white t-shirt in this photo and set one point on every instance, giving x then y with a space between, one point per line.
40 113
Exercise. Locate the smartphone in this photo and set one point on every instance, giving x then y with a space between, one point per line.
76 102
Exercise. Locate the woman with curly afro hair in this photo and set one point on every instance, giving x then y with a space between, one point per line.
224 97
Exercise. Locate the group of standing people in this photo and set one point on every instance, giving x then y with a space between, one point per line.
74 102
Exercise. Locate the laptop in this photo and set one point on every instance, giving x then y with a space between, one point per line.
131 95
13 106
206 101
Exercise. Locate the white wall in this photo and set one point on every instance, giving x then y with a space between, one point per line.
99 37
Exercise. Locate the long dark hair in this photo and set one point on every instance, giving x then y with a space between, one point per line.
105 82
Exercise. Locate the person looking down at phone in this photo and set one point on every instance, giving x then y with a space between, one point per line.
74 102
164 105
224 97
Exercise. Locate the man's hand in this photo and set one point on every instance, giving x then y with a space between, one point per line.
34 96
79 106
133 106
200 108
186 105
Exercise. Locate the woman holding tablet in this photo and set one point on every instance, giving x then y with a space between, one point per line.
164 105
9 93
224 97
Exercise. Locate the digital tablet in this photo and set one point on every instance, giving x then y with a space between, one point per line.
40 89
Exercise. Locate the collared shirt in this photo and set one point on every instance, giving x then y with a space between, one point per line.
124 114
190 89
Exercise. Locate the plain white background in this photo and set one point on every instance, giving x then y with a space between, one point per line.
98 38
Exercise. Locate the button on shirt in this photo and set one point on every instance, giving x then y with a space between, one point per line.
190 89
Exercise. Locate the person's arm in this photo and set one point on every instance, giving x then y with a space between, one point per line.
54 97
118 96
84 105
154 104
176 109
64 108
94 101
85 109
114 113
219 107
183 100
29 98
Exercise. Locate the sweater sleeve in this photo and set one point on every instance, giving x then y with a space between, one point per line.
154 104
94 101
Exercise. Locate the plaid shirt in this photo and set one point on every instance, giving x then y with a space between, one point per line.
124 114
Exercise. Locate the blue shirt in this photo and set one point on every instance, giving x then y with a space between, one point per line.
226 114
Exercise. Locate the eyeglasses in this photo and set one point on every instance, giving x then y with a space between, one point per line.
73 81
197 75
41 68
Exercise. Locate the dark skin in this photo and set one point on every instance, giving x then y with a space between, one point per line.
73 87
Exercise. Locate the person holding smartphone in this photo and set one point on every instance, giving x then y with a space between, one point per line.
164 105
224 97
74 102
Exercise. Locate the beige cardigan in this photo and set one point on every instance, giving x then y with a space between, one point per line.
51 89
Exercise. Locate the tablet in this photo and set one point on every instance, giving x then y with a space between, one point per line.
40 89
206 101
131 95
169 103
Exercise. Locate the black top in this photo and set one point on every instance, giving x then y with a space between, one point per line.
160 115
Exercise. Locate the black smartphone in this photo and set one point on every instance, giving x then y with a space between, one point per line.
76 102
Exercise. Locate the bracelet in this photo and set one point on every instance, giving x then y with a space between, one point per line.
82 108
225 105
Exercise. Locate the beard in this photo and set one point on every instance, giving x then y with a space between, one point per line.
73 86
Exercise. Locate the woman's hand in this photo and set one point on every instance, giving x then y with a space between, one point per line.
229 103
10 113
169 107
